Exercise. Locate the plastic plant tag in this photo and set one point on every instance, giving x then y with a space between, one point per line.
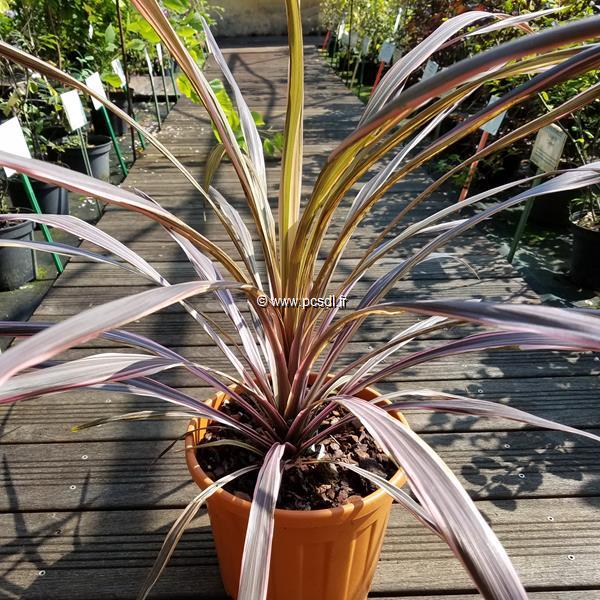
431 68
159 53
118 71
90 31
73 109
341 26
148 62
365 45
353 39
548 148
344 39
397 54
492 126
12 140
386 52
95 83
397 23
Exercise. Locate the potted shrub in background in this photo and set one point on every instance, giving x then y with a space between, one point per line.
98 149
37 105
288 392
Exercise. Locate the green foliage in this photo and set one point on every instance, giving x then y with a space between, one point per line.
272 141
36 102
81 36
373 18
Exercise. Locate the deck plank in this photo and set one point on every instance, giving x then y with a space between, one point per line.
121 546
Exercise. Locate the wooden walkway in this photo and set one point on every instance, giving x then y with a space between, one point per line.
84 515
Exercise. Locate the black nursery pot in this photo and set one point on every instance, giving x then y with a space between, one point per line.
346 63
585 261
99 153
119 126
369 72
16 264
331 46
52 199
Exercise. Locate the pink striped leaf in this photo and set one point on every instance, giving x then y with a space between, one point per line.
256 559
446 502
91 323
178 528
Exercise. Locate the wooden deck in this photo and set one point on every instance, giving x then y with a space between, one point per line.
84 515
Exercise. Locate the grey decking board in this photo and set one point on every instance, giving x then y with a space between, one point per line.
113 550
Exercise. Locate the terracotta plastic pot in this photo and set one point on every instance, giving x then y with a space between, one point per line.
328 554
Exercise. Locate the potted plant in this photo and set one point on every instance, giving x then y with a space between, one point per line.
105 49
585 227
37 105
272 141
16 264
287 394
98 149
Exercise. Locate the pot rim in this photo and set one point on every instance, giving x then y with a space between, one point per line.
240 505
14 225
574 217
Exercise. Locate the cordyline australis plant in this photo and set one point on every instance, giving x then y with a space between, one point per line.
276 347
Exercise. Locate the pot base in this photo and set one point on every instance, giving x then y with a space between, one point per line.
585 268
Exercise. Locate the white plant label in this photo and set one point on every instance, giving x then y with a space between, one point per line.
344 39
353 40
159 52
341 26
90 31
548 147
365 44
397 55
386 52
492 126
73 109
148 62
431 68
12 140
397 23
118 71
95 83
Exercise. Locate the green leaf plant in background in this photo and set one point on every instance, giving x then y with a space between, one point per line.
272 142
286 379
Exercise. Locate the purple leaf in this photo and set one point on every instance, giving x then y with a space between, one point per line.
83 372
443 498
256 560
442 402
414 508
180 525
90 323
